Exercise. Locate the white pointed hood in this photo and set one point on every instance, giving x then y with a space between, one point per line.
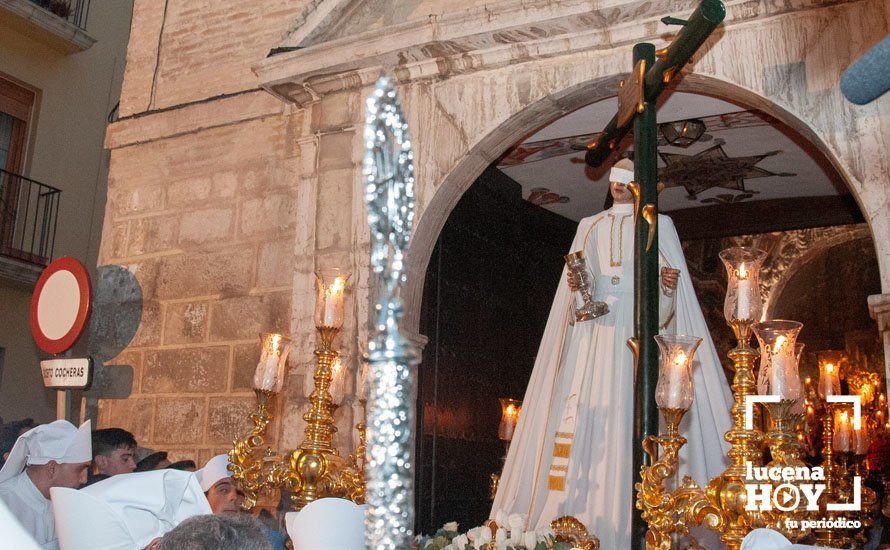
59 441
126 511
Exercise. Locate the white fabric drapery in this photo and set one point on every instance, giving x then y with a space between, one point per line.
571 453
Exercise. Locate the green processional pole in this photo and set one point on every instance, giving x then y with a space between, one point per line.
636 105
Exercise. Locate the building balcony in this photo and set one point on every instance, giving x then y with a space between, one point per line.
29 212
60 24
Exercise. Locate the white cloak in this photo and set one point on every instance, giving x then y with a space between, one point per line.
32 510
571 453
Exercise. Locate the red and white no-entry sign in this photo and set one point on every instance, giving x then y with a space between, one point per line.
60 306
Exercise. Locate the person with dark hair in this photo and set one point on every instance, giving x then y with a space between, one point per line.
49 456
154 461
186 465
220 532
114 450
11 431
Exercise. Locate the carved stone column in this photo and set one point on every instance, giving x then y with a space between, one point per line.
879 308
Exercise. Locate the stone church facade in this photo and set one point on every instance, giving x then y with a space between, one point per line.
236 163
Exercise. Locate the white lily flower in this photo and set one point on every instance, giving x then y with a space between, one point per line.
460 542
451 526
501 518
530 540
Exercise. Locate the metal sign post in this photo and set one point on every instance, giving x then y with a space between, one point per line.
60 310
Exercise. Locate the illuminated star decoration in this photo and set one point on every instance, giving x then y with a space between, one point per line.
713 168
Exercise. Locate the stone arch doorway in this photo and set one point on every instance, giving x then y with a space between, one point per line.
455 421
494 144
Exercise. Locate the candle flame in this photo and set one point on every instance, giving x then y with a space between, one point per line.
829 368
743 273
337 286
511 411
274 342
780 343
680 358
807 381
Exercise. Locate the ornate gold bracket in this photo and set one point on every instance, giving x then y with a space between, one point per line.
247 459
570 530
634 189
631 100
634 346
651 216
671 512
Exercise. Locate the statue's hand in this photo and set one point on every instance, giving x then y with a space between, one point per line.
669 277
573 280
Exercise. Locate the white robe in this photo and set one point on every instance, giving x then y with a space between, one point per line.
33 511
571 453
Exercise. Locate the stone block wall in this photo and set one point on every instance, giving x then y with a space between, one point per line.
206 223
223 199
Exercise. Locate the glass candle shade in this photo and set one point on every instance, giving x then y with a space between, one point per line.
861 437
330 286
269 374
675 388
865 385
743 300
510 409
829 373
778 367
843 431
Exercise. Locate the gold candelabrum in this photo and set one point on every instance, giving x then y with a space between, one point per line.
723 506
315 469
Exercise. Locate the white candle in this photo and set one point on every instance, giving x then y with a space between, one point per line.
338 381
783 380
860 439
266 373
677 375
841 441
828 381
743 292
333 303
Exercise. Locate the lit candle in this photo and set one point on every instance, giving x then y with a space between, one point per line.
842 432
677 374
743 294
332 313
509 417
778 376
828 380
860 438
266 376
338 381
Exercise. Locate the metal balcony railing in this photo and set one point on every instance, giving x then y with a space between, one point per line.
73 11
29 212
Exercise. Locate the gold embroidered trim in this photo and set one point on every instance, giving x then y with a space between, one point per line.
561 450
612 261
558 468
556 483
565 435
